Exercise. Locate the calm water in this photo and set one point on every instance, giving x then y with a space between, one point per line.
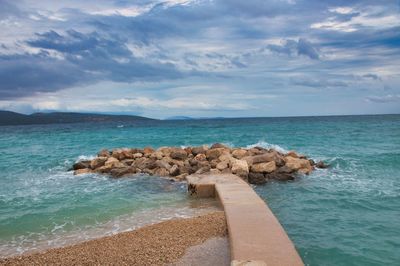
346 215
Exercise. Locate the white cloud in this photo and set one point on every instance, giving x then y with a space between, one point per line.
362 18
341 10
384 99
132 11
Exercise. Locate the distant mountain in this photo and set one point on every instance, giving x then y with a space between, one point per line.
12 118
192 118
179 118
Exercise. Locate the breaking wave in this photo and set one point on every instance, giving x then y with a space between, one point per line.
267 145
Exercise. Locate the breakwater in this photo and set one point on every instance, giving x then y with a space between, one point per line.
256 165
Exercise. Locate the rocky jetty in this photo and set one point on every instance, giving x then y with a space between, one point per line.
256 165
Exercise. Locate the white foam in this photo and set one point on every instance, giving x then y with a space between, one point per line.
267 145
85 157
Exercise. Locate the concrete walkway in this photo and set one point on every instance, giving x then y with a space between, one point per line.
256 237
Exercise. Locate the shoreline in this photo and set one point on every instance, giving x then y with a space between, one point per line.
119 224
157 244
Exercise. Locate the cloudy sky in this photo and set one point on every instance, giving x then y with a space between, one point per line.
200 58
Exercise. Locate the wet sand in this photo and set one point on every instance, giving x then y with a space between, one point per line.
215 251
158 244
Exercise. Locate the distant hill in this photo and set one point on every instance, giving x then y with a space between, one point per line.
12 118
192 118
179 118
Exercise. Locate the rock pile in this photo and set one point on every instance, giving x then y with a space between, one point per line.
255 165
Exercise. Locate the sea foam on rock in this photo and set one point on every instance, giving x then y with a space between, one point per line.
256 165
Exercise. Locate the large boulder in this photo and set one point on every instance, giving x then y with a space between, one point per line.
173 161
199 150
145 163
256 178
137 155
104 153
165 151
161 172
255 151
263 167
227 157
280 176
97 162
156 155
147 151
81 165
321 165
301 165
174 171
214 153
218 145
122 154
239 153
292 154
199 158
188 150
122 171
178 154
222 165
163 164
213 163
296 155
285 169
112 162
240 168
128 162
267 157
202 170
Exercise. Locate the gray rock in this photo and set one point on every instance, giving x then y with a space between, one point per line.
321 165
81 165
122 171
280 176
178 154
199 150
174 171
218 145
257 178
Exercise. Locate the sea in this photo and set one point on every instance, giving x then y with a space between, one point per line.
348 214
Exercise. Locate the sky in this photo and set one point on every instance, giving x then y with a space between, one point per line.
200 58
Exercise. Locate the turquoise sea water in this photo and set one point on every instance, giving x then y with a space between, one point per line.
346 215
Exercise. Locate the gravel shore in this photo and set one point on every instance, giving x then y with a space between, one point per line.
158 244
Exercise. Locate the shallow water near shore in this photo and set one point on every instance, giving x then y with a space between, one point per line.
345 215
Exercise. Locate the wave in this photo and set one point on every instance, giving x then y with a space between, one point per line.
85 157
266 145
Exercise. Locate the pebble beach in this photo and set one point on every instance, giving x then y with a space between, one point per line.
158 244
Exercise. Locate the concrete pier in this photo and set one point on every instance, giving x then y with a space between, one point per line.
255 235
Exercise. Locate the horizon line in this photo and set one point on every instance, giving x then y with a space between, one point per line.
199 118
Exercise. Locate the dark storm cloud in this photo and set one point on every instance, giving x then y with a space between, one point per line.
23 75
85 58
85 46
